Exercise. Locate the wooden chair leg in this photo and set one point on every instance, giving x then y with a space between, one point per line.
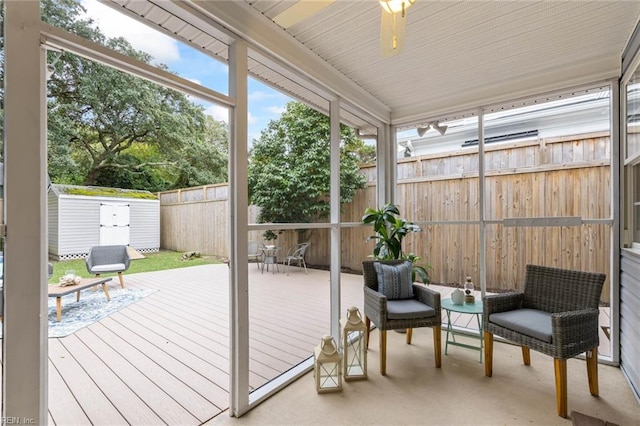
560 366
437 345
121 278
488 354
526 355
409 335
592 371
367 321
383 352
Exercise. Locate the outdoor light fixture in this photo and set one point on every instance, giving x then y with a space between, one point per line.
423 130
393 25
441 129
354 345
433 125
327 367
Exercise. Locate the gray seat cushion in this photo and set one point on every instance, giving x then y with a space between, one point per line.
113 267
530 322
408 309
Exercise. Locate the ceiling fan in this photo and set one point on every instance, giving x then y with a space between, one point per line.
393 21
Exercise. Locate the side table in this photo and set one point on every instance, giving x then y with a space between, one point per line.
467 308
270 257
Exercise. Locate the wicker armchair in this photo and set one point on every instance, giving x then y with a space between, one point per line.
376 311
103 259
556 314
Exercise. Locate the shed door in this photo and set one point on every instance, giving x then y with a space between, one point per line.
114 224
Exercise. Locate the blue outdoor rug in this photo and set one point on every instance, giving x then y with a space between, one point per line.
92 307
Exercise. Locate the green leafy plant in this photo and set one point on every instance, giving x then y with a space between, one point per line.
390 230
269 235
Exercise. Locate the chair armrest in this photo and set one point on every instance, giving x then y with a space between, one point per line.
89 263
570 327
375 306
427 296
501 303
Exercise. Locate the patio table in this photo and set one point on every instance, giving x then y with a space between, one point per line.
58 291
466 308
270 257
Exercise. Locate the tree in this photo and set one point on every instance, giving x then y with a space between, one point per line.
289 167
110 128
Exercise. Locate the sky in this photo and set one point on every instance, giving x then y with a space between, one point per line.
265 104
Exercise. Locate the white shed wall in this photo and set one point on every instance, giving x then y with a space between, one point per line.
79 219
74 224
145 225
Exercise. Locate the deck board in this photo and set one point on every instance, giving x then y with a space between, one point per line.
165 376
63 404
132 408
95 404
165 405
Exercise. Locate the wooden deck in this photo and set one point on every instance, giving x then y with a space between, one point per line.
165 358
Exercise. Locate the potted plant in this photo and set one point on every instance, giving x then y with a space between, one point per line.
269 236
390 230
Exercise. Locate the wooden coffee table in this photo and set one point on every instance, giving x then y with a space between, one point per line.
59 291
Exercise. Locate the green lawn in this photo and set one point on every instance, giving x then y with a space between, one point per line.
152 262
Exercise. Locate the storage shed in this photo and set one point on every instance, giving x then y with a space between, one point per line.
81 217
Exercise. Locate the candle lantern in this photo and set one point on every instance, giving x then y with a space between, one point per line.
327 366
354 345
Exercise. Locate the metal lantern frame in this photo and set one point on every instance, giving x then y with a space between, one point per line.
354 346
327 366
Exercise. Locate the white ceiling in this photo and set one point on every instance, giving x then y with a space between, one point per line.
458 54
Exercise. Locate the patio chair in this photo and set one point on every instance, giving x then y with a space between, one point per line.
103 259
403 307
296 254
556 314
255 252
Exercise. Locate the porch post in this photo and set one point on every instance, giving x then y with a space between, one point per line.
238 221
24 344
334 199
481 199
386 165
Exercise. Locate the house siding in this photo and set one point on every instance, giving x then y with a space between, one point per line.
630 317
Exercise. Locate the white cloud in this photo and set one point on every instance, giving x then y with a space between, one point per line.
275 109
260 95
221 113
112 23
218 112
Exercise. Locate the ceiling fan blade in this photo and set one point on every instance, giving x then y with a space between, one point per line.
300 11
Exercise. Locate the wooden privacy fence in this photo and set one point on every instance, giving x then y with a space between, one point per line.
546 178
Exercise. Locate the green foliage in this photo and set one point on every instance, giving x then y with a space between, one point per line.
289 167
109 128
269 235
390 230
108 192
